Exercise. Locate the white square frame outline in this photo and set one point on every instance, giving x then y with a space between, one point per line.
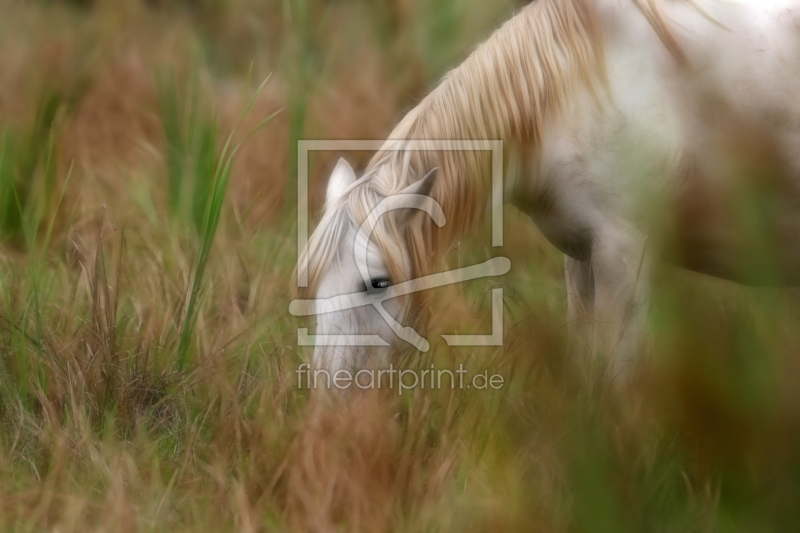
304 147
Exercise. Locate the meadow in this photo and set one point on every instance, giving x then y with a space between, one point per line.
148 360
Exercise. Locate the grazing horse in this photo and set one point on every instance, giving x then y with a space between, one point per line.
634 131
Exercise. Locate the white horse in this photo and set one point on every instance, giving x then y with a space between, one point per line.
626 121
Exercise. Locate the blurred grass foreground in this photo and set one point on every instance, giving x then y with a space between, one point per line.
147 358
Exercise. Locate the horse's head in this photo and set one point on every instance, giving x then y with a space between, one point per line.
364 249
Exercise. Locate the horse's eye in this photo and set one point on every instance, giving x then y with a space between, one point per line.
379 284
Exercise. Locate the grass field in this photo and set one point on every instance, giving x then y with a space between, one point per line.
148 360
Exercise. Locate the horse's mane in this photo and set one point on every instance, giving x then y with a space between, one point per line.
522 76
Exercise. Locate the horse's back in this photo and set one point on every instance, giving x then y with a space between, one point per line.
738 198
695 148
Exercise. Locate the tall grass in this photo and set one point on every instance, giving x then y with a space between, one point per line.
212 208
27 172
300 60
190 136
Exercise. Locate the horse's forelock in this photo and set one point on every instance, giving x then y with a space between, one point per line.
349 212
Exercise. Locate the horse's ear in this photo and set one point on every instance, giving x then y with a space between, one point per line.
342 177
422 186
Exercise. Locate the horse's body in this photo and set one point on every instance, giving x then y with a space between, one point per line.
682 143
655 119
